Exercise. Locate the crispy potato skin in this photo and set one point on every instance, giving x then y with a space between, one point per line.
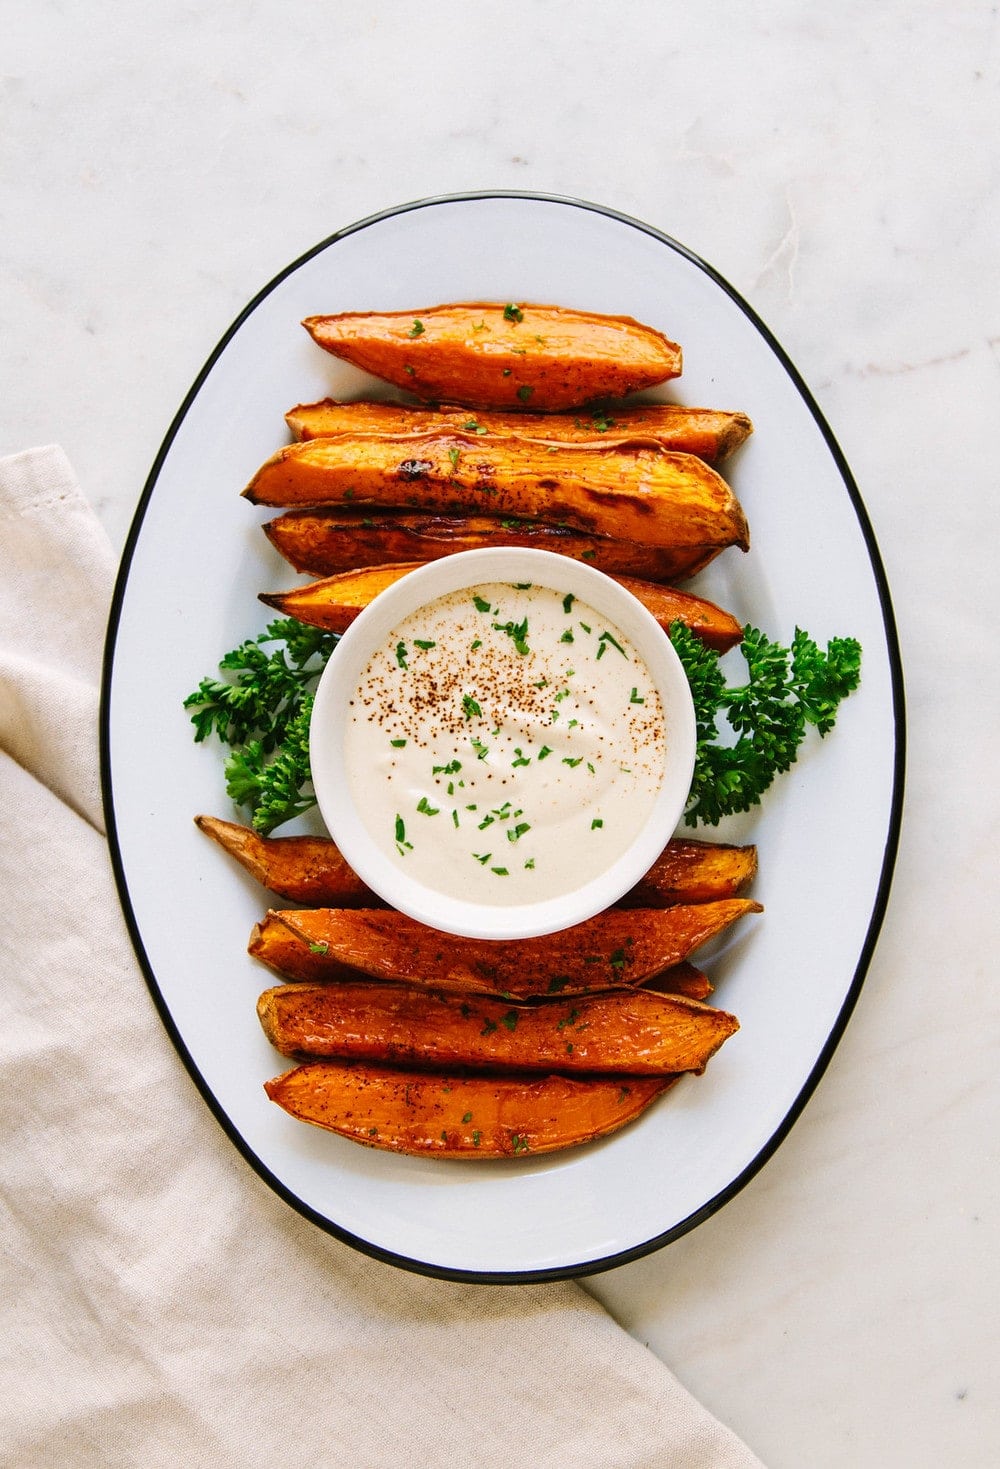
334 602
710 433
635 1032
322 542
615 950
652 496
481 353
455 1115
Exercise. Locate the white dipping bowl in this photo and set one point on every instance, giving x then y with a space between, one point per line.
338 684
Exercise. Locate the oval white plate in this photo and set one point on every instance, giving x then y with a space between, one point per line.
187 592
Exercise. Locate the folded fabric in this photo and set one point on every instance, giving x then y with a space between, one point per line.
160 1306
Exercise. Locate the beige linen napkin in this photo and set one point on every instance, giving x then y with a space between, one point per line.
160 1306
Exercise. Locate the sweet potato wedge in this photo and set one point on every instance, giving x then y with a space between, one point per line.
491 355
312 871
452 1115
681 979
694 872
334 602
617 949
322 542
710 433
636 1032
302 869
652 496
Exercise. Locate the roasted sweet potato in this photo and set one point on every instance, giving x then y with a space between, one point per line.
636 1032
307 870
312 871
681 979
453 1115
694 872
335 602
708 432
615 950
326 541
490 355
652 496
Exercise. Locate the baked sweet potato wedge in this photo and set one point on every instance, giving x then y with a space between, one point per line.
455 1115
334 602
652 496
302 869
710 433
636 1032
312 871
694 872
617 949
322 542
493 355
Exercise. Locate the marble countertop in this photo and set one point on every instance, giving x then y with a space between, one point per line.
838 167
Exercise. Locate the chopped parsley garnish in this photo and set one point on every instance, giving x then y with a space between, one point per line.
319 948
634 697
515 833
424 643
483 858
402 845
605 641
500 871
524 392
452 768
522 759
470 706
545 750
567 636
512 312
417 329
568 601
571 762
481 750
397 744
481 604
425 807
597 822
454 455
517 632
401 654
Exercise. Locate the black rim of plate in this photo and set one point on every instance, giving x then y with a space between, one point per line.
881 897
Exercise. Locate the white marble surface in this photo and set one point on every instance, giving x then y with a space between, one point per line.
838 165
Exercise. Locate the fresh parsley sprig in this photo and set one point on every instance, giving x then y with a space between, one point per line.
262 712
787 690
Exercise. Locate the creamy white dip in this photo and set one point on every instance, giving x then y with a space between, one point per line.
505 744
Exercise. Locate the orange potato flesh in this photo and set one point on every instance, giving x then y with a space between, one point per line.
322 542
652 496
488 355
710 433
636 1032
460 1116
335 602
619 948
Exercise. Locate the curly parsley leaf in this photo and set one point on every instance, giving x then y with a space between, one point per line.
787 690
262 711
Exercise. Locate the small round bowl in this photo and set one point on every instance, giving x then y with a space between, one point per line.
339 681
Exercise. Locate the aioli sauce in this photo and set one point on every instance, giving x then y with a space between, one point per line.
505 744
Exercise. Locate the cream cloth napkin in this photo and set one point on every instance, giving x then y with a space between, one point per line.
160 1306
